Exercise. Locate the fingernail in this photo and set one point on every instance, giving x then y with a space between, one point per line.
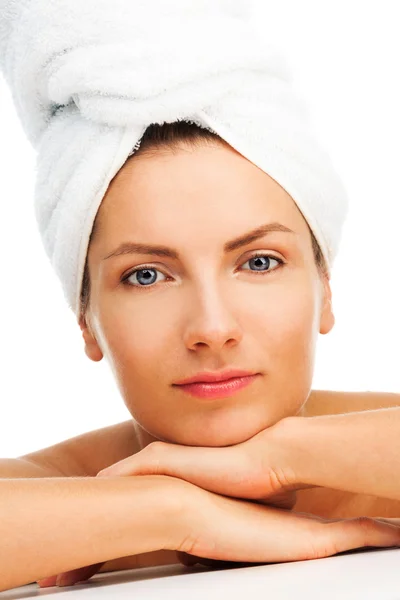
102 473
48 582
62 580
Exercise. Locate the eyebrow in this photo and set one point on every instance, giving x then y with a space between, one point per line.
243 240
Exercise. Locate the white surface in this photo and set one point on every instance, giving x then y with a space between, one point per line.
374 574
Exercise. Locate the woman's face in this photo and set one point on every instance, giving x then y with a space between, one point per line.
204 307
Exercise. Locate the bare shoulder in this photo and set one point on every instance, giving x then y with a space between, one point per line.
322 402
86 454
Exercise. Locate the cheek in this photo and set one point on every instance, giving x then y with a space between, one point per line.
291 330
136 341
289 347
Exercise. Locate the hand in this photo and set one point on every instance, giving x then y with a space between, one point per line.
224 529
71 577
256 469
216 531
84 573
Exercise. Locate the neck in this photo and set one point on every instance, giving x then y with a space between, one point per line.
143 437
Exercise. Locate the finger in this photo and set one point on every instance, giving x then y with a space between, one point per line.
210 468
391 520
152 460
361 532
47 581
221 564
77 575
190 559
186 559
159 458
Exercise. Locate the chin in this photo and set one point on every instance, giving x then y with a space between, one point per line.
220 436
234 438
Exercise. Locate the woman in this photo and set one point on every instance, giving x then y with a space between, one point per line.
205 305
239 282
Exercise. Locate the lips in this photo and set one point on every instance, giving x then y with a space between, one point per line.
215 377
217 389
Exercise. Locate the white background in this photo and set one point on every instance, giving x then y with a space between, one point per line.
345 56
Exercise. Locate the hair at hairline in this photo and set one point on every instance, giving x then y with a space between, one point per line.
170 135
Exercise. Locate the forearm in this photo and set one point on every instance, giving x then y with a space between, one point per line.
53 525
355 452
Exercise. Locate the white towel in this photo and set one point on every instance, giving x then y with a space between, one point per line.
88 76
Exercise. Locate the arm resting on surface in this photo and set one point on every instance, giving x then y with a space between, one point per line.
356 452
52 525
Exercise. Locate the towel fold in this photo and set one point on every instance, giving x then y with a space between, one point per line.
88 77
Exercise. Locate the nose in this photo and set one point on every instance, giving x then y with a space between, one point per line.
212 324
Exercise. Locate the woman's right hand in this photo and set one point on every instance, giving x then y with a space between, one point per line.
219 528
215 530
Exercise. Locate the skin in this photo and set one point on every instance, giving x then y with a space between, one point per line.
208 310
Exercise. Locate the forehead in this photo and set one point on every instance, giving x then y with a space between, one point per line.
203 185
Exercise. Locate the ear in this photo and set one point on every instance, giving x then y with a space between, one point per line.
327 319
92 348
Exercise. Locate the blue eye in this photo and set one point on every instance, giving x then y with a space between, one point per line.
264 263
146 275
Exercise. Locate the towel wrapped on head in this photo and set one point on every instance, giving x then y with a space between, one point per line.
87 79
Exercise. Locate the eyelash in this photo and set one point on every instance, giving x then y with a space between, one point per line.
125 278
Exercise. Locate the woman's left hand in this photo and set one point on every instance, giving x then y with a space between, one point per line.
256 469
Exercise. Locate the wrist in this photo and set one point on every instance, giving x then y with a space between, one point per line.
295 451
173 510
150 512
